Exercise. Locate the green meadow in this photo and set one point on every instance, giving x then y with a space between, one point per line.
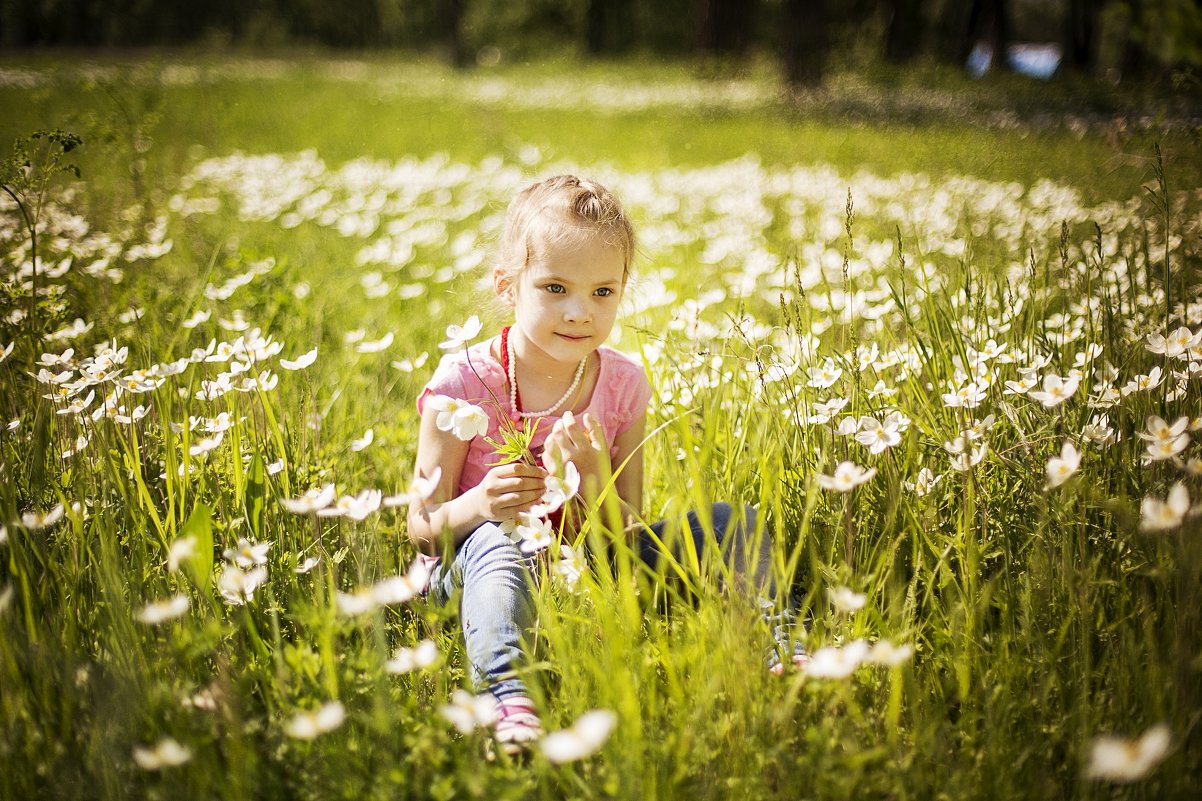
945 337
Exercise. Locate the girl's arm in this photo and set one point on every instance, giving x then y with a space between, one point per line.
629 482
506 490
582 441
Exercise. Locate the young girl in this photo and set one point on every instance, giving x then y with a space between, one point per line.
563 263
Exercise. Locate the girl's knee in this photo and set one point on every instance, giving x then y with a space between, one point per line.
489 549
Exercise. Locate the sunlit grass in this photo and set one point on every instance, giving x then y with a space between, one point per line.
769 313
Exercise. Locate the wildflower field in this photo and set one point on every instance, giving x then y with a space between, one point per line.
955 365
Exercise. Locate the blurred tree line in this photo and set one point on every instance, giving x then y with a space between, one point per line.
1131 39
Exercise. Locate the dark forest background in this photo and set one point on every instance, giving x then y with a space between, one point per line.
1120 40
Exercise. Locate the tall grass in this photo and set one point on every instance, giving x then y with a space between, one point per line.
1040 617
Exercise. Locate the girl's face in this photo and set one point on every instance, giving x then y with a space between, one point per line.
566 299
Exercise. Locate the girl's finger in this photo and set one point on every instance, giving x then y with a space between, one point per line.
596 434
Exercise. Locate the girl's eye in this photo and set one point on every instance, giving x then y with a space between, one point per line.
555 289
604 292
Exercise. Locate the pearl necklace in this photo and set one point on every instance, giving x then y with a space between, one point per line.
513 385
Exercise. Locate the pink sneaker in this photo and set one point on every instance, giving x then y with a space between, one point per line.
518 725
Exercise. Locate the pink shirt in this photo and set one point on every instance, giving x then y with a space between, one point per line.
619 398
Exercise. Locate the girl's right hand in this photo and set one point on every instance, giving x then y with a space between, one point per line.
508 489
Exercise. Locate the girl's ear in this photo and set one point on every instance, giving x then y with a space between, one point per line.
502 284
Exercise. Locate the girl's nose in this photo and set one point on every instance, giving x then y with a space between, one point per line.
576 311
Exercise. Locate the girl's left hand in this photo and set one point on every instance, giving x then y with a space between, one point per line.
583 442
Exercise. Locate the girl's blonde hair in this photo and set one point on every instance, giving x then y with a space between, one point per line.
560 209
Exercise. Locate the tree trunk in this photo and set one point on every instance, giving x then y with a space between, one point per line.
806 42
1080 35
992 18
903 37
453 33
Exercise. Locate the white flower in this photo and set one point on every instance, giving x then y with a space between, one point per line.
1144 382
533 534
459 336
846 601
247 553
275 467
352 604
181 550
824 376
890 655
467 711
847 477
310 725
400 589
1061 468
198 317
1158 515
1098 431
1118 759
1164 440
419 489
6 350
569 567
207 444
583 738
375 346
962 458
1055 390
463 419
407 660
300 362
161 611
409 365
1175 344
238 586
36 521
923 483
848 426
558 491
356 507
361 443
965 395
878 436
313 500
166 753
833 662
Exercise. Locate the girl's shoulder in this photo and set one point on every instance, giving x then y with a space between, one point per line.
472 374
623 390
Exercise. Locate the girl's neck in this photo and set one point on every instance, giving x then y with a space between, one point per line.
535 364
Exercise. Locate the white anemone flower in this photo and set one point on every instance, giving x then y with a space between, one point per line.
467 712
582 739
1056 390
846 600
848 476
421 488
559 490
459 336
1175 344
312 501
1061 468
375 346
923 483
401 589
313 724
304 566
36 521
534 534
878 436
206 445
1158 515
6 350
465 420
166 753
359 444
300 362
355 507
890 655
1118 759
832 662
406 660
238 586
198 317
180 550
247 553
157 612
569 567
409 365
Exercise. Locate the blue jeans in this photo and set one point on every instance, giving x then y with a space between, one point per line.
496 608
